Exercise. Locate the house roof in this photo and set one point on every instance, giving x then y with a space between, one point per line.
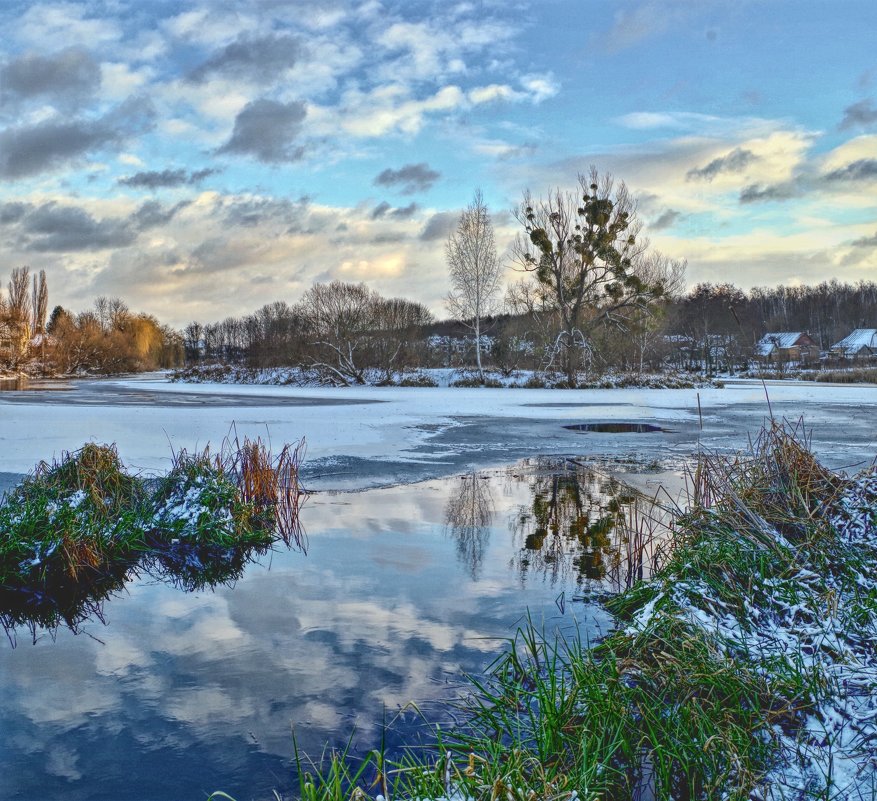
858 339
777 340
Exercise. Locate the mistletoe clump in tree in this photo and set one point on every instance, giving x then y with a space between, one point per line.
584 252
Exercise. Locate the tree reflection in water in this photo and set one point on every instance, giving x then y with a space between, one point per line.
583 526
468 516
578 526
41 609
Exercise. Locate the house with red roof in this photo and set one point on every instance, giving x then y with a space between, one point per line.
784 347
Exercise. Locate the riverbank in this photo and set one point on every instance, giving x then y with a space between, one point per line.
445 377
743 669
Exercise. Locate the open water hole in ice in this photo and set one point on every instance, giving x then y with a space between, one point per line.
402 591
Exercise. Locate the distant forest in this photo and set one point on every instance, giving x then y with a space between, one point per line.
710 326
346 332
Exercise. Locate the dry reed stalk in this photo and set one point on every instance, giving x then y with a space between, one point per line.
269 483
643 530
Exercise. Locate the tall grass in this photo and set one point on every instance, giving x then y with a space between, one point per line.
69 518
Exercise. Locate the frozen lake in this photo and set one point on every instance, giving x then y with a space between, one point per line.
174 694
372 436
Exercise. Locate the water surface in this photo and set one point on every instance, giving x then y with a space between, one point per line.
172 694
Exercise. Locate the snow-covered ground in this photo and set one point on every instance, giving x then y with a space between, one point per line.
358 437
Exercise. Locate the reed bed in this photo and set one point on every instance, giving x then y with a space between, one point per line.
745 667
74 529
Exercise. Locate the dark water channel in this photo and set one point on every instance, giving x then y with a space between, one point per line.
171 694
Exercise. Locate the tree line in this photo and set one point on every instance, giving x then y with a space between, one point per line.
722 323
338 329
109 338
592 294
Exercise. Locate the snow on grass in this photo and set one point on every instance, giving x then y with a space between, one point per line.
83 520
434 377
794 602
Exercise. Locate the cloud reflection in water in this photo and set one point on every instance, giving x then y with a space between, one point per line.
403 590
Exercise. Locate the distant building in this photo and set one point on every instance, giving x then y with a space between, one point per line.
860 344
784 347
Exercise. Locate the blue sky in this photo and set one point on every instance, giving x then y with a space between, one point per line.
199 159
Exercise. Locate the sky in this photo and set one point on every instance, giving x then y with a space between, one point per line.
200 159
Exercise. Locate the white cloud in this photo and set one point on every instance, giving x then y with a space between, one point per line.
495 91
67 24
119 80
533 88
207 27
388 109
540 87
856 149
430 51
648 120
219 100
131 160
325 62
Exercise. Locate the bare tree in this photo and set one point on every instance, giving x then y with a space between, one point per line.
645 322
102 311
19 294
193 340
119 314
398 325
40 303
341 318
18 313
582 249
474 270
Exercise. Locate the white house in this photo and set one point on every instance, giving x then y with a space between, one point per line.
860 344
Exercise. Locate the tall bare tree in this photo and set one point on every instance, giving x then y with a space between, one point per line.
19 293
18 313
582 249
40 303
474 270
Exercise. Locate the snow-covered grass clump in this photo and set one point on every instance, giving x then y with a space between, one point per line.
197 504
72 531
64 519
777 575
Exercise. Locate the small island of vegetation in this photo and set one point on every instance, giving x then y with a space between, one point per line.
75 529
